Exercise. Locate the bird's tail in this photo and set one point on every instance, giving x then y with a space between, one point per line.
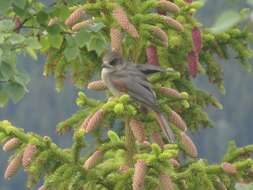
164 124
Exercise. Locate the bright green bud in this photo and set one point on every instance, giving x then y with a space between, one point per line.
156 149
197 4
119 108
131 109
181 19
184 95
124 99
109 105
113 136
209 37
170 146
186 104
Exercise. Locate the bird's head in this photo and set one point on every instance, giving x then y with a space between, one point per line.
112 61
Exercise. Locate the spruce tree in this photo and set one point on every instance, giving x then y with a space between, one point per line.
128 150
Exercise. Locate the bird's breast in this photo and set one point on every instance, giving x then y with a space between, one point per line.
106 76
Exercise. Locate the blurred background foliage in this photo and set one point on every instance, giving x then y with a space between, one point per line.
42 108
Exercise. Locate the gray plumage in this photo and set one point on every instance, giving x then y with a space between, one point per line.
133 78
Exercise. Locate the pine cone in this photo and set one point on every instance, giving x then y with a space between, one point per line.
81 25
166 182
229 168
53 21
138 130
151 54
97 85
170 91
75 16
156 137
29 152
85 122
188 145
116 40
124 168
158 32
13 166
121 17
139 175
193 61
169 6
174 163
94 120
188 1
133 31
197 40
11 144
43 188
174 23
177 120
93 160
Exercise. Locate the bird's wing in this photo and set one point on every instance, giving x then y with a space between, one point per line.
140 90
148 69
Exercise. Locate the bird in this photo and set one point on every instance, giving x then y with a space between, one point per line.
125 77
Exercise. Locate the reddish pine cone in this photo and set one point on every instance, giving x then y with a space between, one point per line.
177 120
75 16
174 162
138 130
170 91
168 6
166 182
42 188
156 138
132 31
121 17
188 1
116 40
85 122
97 85
229 168
94 120
13 166
139 175
81 25
197 39
151 54
124 168
11 144
29 152
158 32
188 146
53 21
93 160
193 61
173 23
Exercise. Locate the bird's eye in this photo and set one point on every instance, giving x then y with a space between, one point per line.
113 62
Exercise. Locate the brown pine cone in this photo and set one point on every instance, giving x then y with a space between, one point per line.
75 16
168 6
177 120
229 168
97 85
11 144
121 17
133 31
13 166
116 40
188 146
173 23
158 32
93 160
138 130
166 182
81 25
156 137
94 120
29 152
140 169
170 91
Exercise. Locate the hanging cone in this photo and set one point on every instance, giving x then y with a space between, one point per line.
156 138
11 144
174 163
177 120
94 120
124 168
166 182
197 39
132 31
93 160
188 146
188 1
139 175
121 17
75 16
116 40
229 168
43 188
81 25
13 166
170 92
193 61
168 6
158 32
97 85
29 152
138 130
173 23
85 122
53 21
151 54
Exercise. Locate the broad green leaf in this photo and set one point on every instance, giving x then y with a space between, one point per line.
31 53
70 41
7 71
3 97
4 5
55 40
45 43
71 53
83 37
225 21
54 29
16 39
42 17
20 3
32 43
6 25
22 78
97 44
15 91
